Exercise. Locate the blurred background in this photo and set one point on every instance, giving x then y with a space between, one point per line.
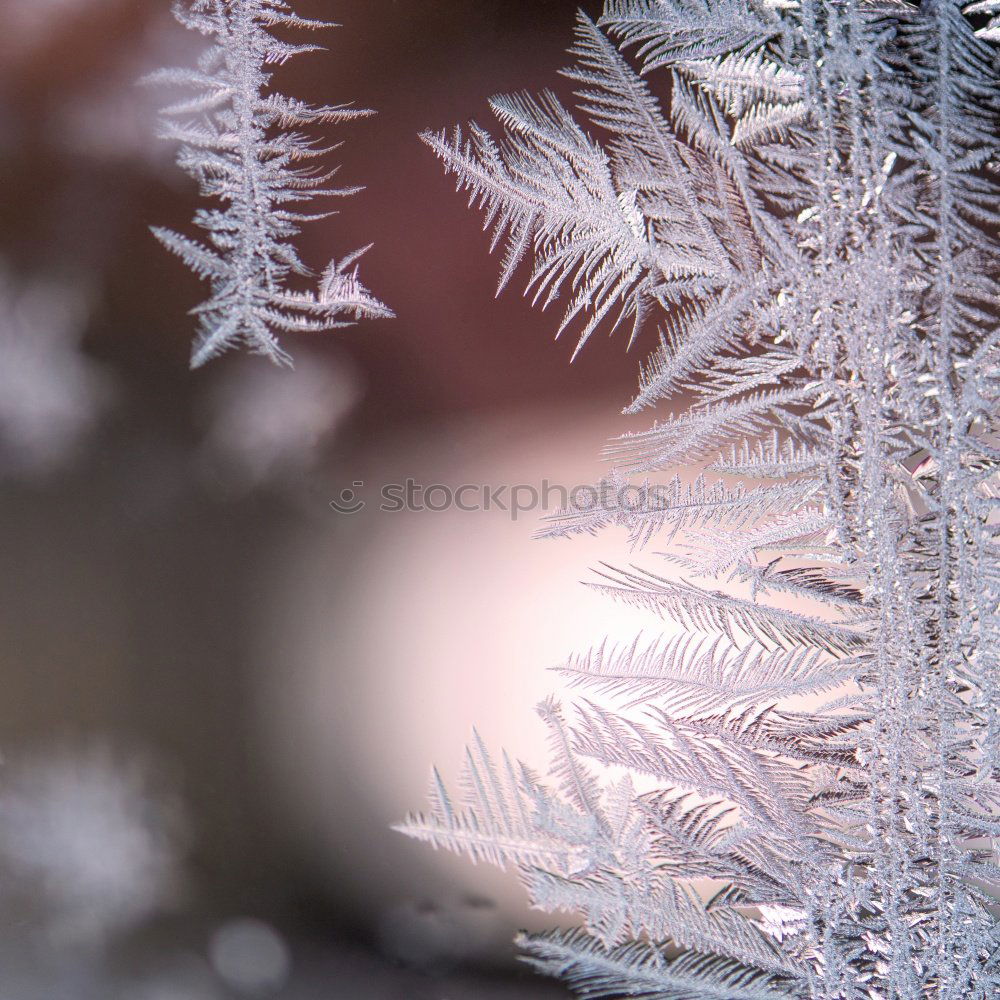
218 692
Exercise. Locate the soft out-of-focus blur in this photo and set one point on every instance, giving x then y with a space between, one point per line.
217 692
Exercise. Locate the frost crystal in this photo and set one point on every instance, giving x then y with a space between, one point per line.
811 219
234 141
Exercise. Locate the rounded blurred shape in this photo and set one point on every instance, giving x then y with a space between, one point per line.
186 977
90 841
250 956
399 631
439 935
268 425
51 394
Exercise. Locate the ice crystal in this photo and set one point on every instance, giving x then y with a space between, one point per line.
234 140
810 218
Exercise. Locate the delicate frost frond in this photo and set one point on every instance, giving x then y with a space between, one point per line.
550 187
233 141
698 838
770 458
506 817
694 333
701 431
742 82
670 31
689 234
675 506
824 585
497 822
690 675
641 970
711 551
617 909
714 611
713 759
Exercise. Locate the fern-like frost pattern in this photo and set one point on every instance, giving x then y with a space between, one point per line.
235 139
795 792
